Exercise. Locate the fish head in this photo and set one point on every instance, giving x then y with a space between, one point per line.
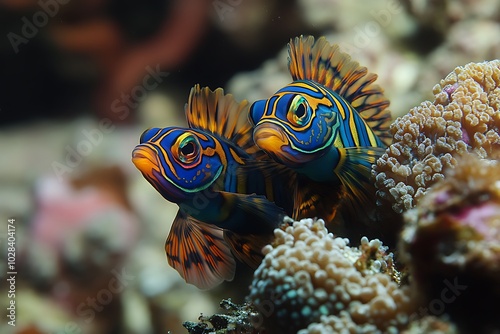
296 125
178 162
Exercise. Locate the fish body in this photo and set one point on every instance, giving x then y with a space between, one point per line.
223 211
192 167
329 126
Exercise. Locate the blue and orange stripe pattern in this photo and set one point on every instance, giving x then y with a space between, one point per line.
308 119
228 206
180 162
329 125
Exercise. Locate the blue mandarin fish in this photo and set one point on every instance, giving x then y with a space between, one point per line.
329 126
223 211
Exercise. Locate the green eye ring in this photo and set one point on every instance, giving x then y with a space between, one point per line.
299 112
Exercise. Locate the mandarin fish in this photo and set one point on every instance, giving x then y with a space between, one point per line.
329 126
222 211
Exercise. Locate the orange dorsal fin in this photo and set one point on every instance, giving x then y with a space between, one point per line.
326 64
221 115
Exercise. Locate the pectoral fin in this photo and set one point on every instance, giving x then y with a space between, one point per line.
247 248
250 214
266 177
313 199
354 171
199 252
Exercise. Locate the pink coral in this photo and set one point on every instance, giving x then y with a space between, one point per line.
451 242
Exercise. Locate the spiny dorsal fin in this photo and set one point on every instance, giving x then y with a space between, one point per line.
325 64
220 115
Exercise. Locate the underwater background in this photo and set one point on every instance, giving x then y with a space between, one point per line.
80 82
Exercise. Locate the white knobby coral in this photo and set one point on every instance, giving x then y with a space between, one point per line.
308 273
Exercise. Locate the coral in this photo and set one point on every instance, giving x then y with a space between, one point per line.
375 258
431 325
451 242
238 319
308 273
463 118
343 323
83 225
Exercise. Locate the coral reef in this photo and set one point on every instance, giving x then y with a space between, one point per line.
463 118
431 325
451 243
343 323
237 319
311 282
67 71
308 273
441 168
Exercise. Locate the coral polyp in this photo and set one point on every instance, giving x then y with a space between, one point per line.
451 243
463 118
307 274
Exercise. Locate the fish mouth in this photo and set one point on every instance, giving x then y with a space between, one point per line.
273 140
144 159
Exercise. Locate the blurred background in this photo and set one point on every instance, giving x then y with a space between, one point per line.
81 80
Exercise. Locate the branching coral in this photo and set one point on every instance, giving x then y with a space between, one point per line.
307 273
463 117
451 243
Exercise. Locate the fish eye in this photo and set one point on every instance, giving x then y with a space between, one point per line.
188 148
299 112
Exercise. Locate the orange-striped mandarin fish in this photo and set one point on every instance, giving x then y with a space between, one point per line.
329 126
222 211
